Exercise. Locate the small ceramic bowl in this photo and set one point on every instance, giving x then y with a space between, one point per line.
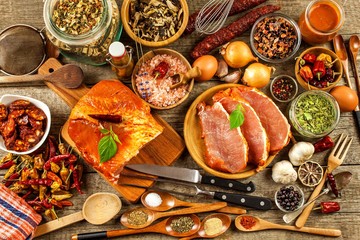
337 68
9 98
259 41
125 18
289 198
153 81
283 88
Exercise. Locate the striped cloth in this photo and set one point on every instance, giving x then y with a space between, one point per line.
17 219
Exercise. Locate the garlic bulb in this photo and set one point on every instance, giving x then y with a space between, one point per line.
283 172
300 152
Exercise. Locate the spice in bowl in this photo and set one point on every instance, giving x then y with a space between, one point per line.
275 38
314 114
213 226
248 222
283 88
289 198
182 224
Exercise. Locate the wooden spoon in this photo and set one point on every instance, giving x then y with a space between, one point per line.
261 224
97 209
185 78
340 51
354 43
68 76
226 222
163 227
153 215
170 202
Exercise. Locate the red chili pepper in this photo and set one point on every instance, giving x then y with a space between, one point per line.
306 73
27 194
160 70
66 203
55 159
323 144
11 179
7 164
309 58
329 207
319 69
332 184
54 177
52 148
46 182
76 179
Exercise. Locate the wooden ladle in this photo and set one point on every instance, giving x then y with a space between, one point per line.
226 222
354 44
68 76
163 227
341 52
260 224
168 202
153 215
97 209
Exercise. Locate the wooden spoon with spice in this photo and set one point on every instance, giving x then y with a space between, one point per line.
212 226
248 223
143 217
163 201
176 226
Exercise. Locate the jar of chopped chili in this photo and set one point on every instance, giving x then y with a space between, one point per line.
283 88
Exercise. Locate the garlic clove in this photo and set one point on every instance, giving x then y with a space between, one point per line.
300 152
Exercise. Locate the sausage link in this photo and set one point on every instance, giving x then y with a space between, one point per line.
233 30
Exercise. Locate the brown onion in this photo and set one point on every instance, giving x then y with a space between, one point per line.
257 75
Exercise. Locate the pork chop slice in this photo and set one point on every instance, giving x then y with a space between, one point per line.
226 149
252 129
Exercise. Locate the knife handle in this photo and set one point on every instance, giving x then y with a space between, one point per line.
228 184
357 118
259 203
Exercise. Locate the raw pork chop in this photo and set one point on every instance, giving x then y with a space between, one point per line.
252 128
275 123
226 150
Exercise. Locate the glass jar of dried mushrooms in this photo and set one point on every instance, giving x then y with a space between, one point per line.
83 29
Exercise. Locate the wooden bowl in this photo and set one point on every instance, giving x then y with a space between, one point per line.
195 144
150 55
337 67
125 18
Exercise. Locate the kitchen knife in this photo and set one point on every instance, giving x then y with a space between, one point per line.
244 200
191 175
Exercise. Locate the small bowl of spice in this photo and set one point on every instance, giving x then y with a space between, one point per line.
283 88
313 114
289 198
275 38
155 74
318 68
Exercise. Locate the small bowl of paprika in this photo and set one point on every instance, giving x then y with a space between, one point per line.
318 68
283 88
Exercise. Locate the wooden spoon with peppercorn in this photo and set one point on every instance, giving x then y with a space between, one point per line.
248 223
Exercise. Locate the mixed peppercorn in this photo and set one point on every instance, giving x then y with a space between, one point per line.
283 89
45 178
317 70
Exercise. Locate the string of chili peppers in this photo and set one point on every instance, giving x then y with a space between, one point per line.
45 178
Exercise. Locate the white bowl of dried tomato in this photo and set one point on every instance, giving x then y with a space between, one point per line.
24 124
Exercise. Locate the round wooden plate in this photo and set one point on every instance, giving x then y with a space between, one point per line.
195 144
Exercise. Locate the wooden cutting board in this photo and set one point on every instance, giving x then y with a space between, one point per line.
163 150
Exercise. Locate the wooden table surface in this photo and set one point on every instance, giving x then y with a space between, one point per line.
347 219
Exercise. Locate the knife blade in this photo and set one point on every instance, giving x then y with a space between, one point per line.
191 175
259 203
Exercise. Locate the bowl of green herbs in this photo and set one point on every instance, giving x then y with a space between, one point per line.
313 114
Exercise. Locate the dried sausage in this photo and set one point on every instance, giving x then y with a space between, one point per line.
3 112
9 128
237 7
233 30
19 104
36 113
16 113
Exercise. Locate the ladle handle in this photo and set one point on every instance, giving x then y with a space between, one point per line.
318 231
21 79
58 223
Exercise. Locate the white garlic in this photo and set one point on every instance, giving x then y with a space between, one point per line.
283 172
300 152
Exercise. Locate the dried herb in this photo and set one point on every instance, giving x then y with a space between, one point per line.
107 145
77 17
182 224
237 117
137 217
315 113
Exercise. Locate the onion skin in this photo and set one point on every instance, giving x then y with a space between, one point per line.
257 75
237 54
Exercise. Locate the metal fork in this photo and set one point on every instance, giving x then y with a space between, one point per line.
335 159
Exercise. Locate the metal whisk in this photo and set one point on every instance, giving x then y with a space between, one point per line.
212 16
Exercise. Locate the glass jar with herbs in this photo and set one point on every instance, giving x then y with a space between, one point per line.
313 114
83 29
